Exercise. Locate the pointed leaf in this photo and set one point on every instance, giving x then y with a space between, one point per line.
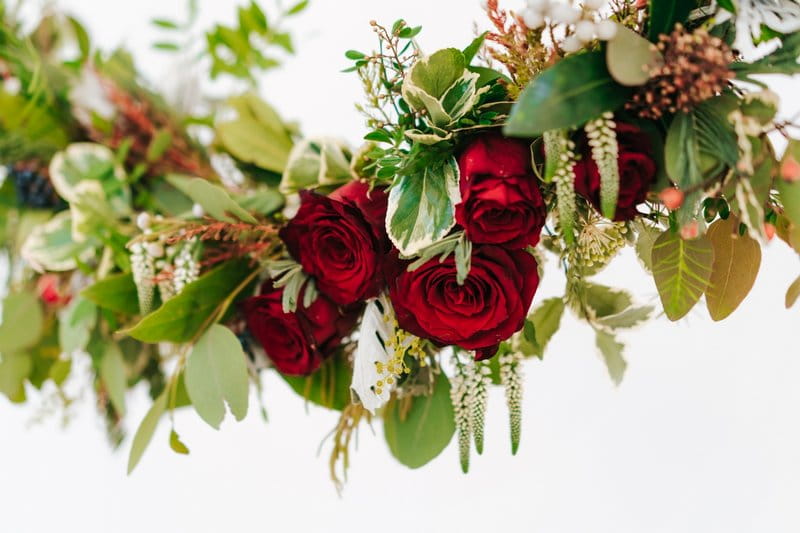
546 320
214 200
611 351
176 444
116 293
736 263
793 293
145 432
112 372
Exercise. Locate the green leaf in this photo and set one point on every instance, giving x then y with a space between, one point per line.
216 373
146 430
664 14
630 57
95 164
611 351
474 47
575 90
682 152
76 323
546 320
164 24
628 318
793 293
682 271
605 301
354 55
14 370
112 372
176 444
646 237
181 317
166 46
425 430
436 73
737 259
116 292
262 201
328 387
421 207
22 323
215 200
158 145
297 8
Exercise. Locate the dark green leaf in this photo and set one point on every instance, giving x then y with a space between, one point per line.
117 293
664 14
575 90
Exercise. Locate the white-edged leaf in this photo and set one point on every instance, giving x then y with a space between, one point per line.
421 207
373 336
216 373
611 351
51 247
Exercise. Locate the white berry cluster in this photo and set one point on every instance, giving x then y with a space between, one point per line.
580 20
602 136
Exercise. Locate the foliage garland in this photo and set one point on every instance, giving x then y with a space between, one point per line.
394 280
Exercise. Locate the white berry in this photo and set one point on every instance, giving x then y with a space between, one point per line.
143 220
584 30
198 211
606 30
155 249
594 4
564 14
571 44
538 5
533 19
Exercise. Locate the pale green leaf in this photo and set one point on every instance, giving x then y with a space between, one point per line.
216 373
176 444
627 319
51 247
421 207
645 238
630 57
144 434
75 324
611 351
546 319
737 259
426 429
14 370
112 372
682 271
22 322
214 200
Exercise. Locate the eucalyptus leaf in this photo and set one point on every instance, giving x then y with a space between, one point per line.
216 374
144 434
421 208
14 370
417 435
574 91
682 270
630 57
112 372
214 200
737 259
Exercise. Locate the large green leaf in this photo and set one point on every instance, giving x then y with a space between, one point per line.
664 14
22 322
417 436
682 271
575 90
146 430
214 200
737 259
181 317
14 370
216 373
116 292
682 152
329 386
422 206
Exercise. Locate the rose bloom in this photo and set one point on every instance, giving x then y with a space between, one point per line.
637 171
500 199
372 204
298 342
335 243
487 309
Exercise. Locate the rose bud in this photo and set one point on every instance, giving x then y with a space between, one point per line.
48 287
637 171
500 199
487 309
672 198
335 243
298 342
790 169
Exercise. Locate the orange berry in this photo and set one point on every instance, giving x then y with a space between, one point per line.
690 231
790 169
769 231
671 198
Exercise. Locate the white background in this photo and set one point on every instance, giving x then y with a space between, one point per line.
703 435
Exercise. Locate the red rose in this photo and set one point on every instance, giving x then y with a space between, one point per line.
500 199
637 171
372 204
334 243
297 343
487 309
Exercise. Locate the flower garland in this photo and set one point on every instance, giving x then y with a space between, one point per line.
397 280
